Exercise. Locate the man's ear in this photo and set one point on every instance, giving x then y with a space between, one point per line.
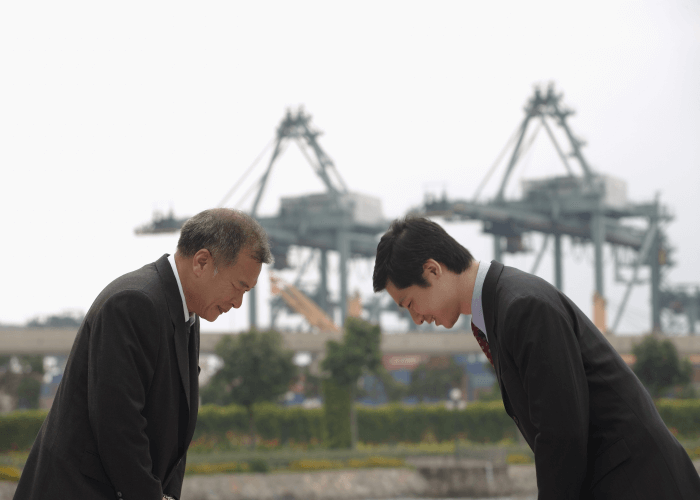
431 267
200 261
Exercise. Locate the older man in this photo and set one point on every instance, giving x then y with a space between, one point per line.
594 429
125 411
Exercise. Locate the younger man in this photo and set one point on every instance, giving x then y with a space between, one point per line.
595 431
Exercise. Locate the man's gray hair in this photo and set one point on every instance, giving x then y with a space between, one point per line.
224 232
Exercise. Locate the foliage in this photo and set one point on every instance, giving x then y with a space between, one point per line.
9 473
312 384
217 468
519 459
225 428
658 365
311 465
28 390
478 422
66 320
495 393
258 465
24 387
19 429
336 410
256 368
682 416
353 463
35 363
219 428
430 381
395 391
222 426
346 362
359 351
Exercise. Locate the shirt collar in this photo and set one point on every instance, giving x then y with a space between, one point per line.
477 303
188 319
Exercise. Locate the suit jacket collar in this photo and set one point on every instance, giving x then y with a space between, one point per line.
488 300
172 291
174 300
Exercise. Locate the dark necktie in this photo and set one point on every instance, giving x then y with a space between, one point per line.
483 343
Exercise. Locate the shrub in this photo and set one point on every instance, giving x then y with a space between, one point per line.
310 465
376 462
229 425
485 422
9 473
217 468
683 415
19 429
519 459
258 465
225 427
336 405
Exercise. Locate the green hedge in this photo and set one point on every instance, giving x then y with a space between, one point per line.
682 416
271 422
479 422
19 429
336 408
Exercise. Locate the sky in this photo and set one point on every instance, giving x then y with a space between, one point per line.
109 112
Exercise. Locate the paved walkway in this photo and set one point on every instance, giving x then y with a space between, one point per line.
325 485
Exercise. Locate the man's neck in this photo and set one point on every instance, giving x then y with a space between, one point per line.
466 287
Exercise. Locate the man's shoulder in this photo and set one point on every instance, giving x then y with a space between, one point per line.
518 289
515 282
141 279
144 281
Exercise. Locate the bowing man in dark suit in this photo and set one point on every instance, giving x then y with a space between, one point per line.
126 407
595 431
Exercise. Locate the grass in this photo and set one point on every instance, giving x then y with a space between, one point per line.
366 455
13 458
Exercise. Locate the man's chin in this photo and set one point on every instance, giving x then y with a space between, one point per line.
212 315
450 324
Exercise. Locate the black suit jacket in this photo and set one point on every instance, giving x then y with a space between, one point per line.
126 408
593 427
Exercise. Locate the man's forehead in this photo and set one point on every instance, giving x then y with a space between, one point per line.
245 270
399 295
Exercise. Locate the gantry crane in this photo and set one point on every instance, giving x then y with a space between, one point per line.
335 220
588 206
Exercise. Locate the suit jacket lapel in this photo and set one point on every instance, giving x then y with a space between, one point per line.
174 300
489 299
193 393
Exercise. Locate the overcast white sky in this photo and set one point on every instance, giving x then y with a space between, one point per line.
109 111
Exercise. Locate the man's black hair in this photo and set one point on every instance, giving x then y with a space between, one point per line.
407 245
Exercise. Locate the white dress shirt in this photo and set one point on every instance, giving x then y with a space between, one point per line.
189 319
477 303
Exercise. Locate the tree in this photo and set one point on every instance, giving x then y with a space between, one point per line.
21 379
495 393
312 384
65 320
346 362
434 381
658 365
394 390
257 368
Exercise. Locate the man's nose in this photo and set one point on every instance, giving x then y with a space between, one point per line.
237 301
417 318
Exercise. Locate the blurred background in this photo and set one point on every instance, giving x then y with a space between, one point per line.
560 139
